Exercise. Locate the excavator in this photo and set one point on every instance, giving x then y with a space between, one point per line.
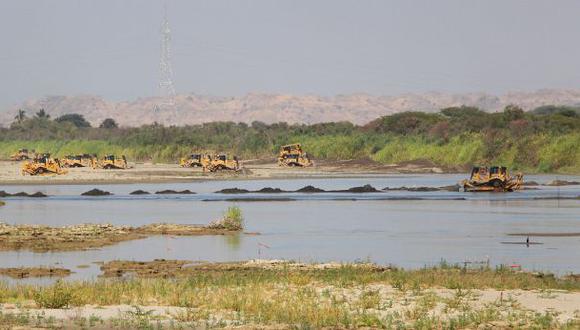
84 160
493 178
195 160
22 154
110 162
222 162
43 164
293 155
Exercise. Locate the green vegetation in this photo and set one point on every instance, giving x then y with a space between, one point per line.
349 296
543 140
232 220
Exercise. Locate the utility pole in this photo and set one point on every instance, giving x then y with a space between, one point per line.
166 88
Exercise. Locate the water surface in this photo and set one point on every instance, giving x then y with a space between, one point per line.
408 229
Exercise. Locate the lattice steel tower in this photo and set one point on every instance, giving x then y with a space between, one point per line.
166 87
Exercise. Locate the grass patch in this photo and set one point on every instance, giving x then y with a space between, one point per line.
311 297
232 220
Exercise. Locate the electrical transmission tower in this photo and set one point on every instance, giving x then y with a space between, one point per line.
166 88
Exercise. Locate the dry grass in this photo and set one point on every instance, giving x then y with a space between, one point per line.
347 296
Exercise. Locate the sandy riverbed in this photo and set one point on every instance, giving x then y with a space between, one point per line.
157 173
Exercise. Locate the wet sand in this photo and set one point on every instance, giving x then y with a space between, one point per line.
26 272
38 238
160 173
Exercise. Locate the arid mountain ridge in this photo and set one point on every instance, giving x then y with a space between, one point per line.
270 108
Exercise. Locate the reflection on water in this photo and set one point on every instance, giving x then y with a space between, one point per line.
234 241
408 233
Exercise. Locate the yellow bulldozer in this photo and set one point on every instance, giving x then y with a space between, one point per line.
493 178
22 154
222 162
84 160
112 162
195 160
43 164
293 155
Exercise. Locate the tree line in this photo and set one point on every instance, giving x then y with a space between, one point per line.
545 138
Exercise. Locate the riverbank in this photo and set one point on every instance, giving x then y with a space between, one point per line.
277 294
256 169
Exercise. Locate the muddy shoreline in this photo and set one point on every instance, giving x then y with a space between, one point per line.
39 238
172 173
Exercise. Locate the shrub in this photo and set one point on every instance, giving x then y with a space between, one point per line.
55 296
232 220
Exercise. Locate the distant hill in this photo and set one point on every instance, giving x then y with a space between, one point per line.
270 108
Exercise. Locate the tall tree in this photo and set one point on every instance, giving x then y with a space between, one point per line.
20 116
109 123
41 114
75 119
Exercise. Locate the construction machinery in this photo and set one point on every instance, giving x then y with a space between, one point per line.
110 162
222 162
84 160
494 178
22 154
293 155
43 164
195 160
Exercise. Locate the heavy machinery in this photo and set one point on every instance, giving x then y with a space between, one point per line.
222 162
494 178
84 160
293 155
195 160
112 162
43 164
22 154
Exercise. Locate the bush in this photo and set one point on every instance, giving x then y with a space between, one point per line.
232 220
55 296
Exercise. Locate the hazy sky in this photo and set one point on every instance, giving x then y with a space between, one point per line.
111 47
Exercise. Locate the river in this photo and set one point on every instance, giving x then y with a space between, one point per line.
407 229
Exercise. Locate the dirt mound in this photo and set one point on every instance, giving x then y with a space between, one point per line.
233 191
140 192
310 189
26 272
269 190
174 192
557 183
367 188
96 192
21 194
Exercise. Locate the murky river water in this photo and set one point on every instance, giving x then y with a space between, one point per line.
408 229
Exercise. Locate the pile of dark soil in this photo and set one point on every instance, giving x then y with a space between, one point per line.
140 192
233 191
96 192
310 189
174 192
21 194
269 190
367 188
